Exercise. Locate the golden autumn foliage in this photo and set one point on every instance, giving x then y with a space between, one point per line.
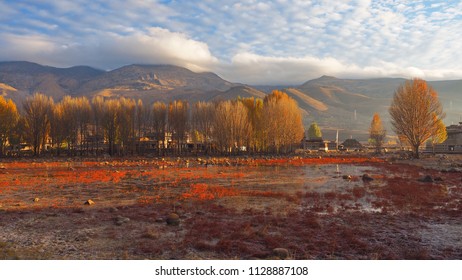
232 126
254 106
283 125
377 133
8 118
415 113
37 115
117 126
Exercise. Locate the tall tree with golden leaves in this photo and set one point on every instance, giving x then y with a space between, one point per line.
254 106
439 135
415 112
283 121
377 133
232 127
37 116
8 118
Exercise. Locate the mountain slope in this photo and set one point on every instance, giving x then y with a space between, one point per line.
29 78
147 82
344 104
351 103
305 99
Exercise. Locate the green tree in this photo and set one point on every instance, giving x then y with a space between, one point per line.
415 112
314 131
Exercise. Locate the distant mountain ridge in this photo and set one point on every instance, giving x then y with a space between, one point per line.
344 104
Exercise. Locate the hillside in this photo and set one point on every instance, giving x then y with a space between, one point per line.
147 82
348 104
344 104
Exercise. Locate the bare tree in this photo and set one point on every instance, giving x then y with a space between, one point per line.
415 112
202 122
110 123
143 119
142 122
37 115
126 122
83 112
178 121
58 126
97 114
159 123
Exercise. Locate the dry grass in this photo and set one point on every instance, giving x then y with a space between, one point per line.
226 212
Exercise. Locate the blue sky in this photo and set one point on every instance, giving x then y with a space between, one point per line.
255 42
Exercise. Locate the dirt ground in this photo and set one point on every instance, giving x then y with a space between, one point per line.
321 207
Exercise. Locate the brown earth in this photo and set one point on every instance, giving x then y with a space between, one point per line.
231 208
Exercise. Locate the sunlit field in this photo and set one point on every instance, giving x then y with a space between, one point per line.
229 208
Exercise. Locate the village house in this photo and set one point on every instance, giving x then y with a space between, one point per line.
318 144
453 144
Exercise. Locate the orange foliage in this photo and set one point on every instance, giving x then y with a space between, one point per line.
320 160
203 191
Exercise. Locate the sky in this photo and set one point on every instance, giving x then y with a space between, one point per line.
278 42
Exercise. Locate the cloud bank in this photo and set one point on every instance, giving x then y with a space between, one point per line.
255 42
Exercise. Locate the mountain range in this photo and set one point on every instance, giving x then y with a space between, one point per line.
335 104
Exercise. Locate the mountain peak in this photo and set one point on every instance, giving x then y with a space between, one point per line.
325 78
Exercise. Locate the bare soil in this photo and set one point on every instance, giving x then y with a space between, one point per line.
231 208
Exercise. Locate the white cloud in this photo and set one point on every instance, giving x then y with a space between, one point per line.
252 41
27 47
258 70
154 46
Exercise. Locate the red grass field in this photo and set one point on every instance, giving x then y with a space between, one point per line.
229 208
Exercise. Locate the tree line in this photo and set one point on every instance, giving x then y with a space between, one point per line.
124 126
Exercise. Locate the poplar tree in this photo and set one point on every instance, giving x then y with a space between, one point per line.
415 112
377 133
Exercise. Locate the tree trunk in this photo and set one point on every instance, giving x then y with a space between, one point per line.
1 147
416 151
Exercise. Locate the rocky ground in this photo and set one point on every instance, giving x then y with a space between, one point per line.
232 208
